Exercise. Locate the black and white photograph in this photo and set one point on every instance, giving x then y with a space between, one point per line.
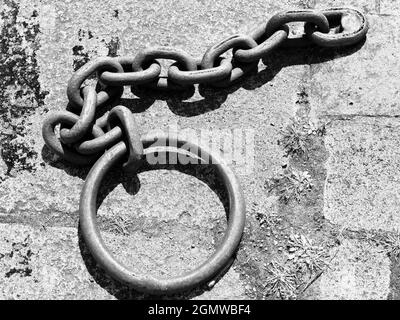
199 158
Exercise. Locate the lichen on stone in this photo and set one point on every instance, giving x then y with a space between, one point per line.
20 91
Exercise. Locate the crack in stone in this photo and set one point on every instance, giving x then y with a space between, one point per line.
347 117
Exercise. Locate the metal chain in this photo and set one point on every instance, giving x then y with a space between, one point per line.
324 28
83 139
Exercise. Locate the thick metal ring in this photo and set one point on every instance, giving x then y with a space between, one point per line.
56 145
264 48
237 41
75 82
150 54
121 115
129 77
86 117
145 283
219 72
344 38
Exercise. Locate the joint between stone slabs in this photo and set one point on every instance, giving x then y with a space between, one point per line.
348 117
378 5
24 220
361 234
35 226
384 15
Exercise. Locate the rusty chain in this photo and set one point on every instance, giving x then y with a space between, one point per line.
83 139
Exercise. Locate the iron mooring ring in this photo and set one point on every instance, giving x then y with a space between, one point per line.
215 264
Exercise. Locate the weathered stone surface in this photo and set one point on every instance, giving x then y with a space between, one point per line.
262 106
165 223
3 169
390 7
51 197
72 33
50 264
45 192
37 264
362 185
359 271
362 81
368 6
165 196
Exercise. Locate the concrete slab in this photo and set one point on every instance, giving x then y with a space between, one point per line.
167 222
367 6
390 7
47 193
70 34
358 272
362 80
52 264
44 265
262 106
363 178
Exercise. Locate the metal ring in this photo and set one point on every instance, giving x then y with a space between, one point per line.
344 38
129 77
55 144
312 16
145 283
235 41
81 127
75 82
122 115
200 76
150 54
264 48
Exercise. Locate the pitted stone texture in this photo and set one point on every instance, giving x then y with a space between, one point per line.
363 173
261 113
3 169
366 6
47 192
364 82
51 196
48 264
164 195
220 292
390 7
359 271
263 105
37 264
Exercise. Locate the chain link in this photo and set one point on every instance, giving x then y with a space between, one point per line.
161 82
265 47
222 70
349 34
129 77
83 139
86 118
98 65
122 116
238 41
